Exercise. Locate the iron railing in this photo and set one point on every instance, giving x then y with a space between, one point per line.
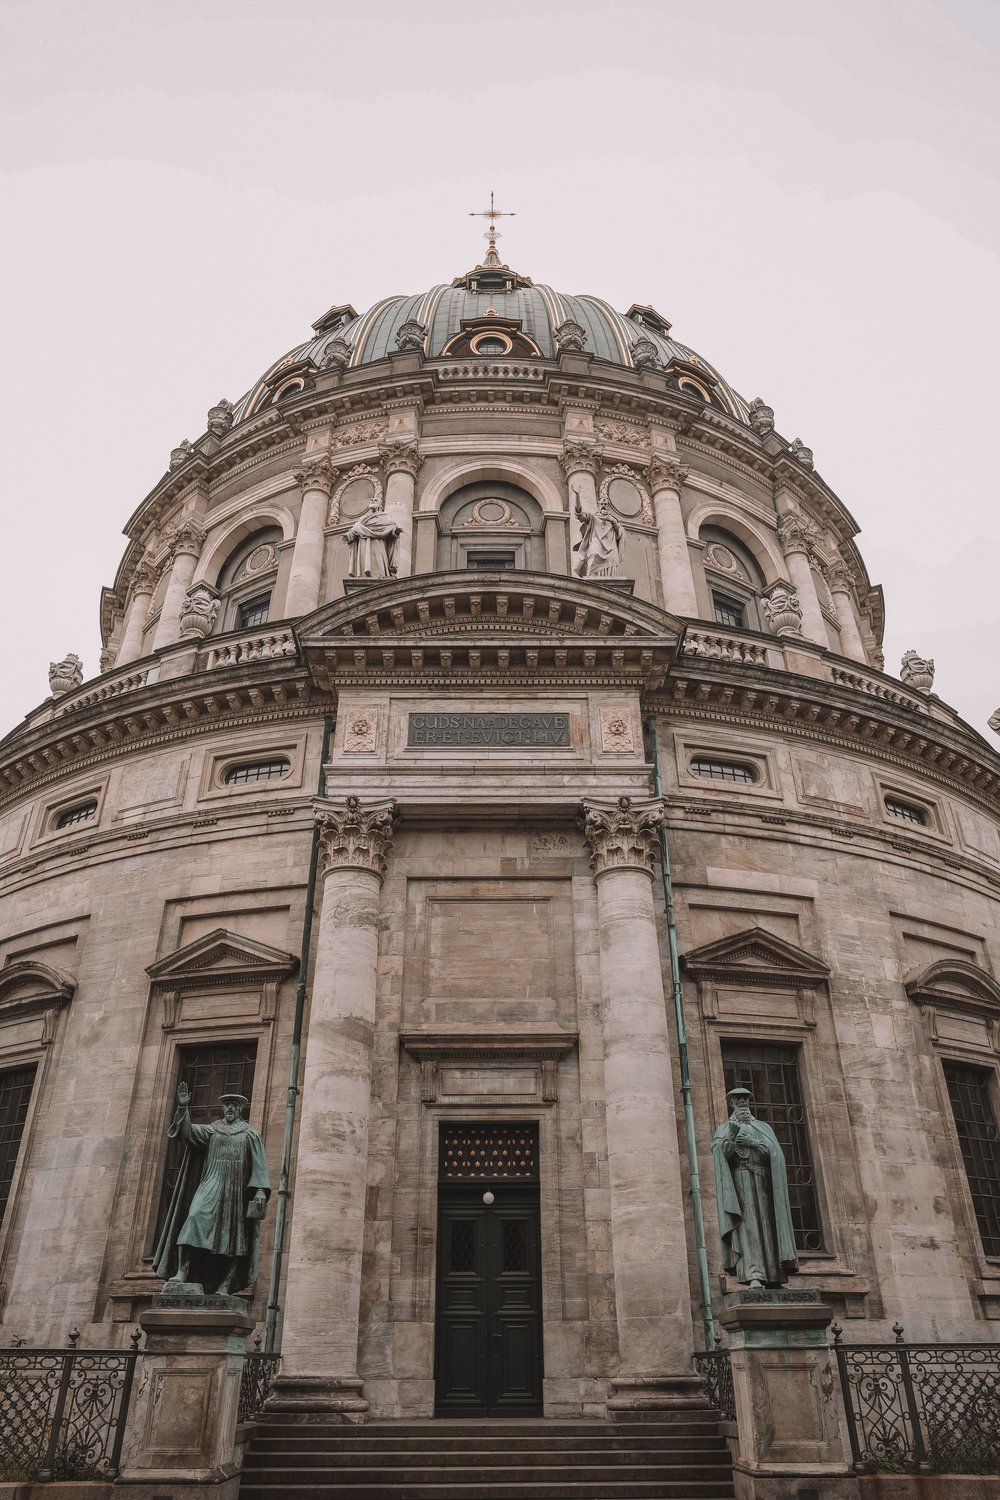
715 1368
63 1411
921 1408
259 1370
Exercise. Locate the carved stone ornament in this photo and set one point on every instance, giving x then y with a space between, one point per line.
666 474
143 579
199 611
107 659
361 729
917 672
797 534
994 721
220 417
570 336
357 836
355 434
65 675
359 471
181 453
801 453
622 835
400 457
782 610
580 458
317 475
336 355
761 417
616 495
411 335
645 355
838 578
612 430
616 731
492 513
187 538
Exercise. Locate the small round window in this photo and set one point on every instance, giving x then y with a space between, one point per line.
724 770
257 770
81 813
491 343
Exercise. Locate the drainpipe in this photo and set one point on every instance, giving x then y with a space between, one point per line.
704 1285
270 1327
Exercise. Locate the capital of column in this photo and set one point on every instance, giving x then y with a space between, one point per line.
838 579
318 475
143 579
665 474
357 836
797 534
187 539
580 458
400 457
622 835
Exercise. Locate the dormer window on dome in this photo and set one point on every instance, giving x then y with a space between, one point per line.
491 337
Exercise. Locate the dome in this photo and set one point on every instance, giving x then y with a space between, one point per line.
492 295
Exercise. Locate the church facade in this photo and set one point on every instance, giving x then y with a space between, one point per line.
492 763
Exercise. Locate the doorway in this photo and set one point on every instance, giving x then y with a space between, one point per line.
488 1336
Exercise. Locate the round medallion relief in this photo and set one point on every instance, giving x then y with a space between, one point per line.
357 496
720 557
625 497
260 558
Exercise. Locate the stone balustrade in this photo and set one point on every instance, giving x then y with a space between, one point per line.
262 645
108 687
860 683
488 370
731 648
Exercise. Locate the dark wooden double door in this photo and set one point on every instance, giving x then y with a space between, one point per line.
489 1325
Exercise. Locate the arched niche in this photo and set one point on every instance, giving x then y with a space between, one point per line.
490 525
734 579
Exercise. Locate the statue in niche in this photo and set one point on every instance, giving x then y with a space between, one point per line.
210 1240
601 540
751 1191
372 540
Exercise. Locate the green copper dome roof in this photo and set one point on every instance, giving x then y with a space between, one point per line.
491 290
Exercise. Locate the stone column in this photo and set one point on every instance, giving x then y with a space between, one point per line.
649 1249
581 463
143 587
319 1377
665 479
186 547
839 582
305 575
401 464
797 538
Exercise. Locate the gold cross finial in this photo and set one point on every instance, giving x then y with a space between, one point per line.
492 214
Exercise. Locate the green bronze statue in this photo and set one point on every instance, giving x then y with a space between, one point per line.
751 1191
209 1241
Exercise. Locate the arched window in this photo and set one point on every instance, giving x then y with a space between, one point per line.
491 526
735 582
246 581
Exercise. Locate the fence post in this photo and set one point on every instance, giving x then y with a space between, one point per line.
131 1359
847 1395
45 1473
912 1406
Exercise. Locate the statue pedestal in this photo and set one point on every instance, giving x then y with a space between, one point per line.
787 1398
182 1424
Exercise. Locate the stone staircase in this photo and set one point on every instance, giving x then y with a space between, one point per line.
667 1457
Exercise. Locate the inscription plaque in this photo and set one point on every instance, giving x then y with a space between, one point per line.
489 731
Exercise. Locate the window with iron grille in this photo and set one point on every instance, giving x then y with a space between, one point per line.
488 1151
15 1096
906 810
771 1073
257 770
78 814
254 612
209 1071
976 1126
727 611
724 770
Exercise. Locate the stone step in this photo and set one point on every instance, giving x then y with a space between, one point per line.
488 1487
447 1450
686 1425
493 1459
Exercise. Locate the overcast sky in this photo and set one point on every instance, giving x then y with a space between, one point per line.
808 192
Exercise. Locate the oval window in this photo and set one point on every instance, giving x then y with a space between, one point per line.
908 811
724 770
491 343
257 770
79 814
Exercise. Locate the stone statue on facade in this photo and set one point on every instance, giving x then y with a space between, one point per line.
65 675
372 540
601 541
209 1242
751 1192
917 672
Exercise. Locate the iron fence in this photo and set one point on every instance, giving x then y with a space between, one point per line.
63 1411
921 1408
715 1368
259 1370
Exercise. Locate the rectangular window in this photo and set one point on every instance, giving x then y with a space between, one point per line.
254 612
491 561
209 1071
975 1122
727 611
15 1096
771 1073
